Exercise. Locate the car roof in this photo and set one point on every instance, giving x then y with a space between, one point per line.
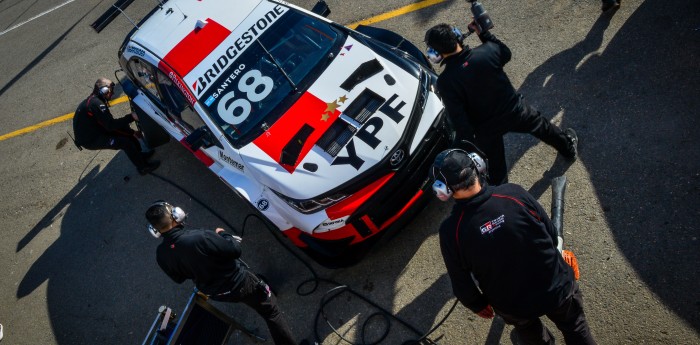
169 26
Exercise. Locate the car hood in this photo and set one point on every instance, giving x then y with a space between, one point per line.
350 119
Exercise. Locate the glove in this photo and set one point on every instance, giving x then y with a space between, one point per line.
570 259
486 313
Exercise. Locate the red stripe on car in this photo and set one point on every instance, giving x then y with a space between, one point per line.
308 110
349 205
208 161
196 46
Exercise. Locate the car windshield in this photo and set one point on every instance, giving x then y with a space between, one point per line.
263 81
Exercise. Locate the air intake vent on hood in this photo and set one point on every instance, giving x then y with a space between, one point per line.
335 138
364 106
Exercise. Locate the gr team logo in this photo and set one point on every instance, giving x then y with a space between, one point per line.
493 225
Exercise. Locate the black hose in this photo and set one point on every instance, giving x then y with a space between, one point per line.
338 288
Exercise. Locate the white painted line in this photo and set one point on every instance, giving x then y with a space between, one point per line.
35 17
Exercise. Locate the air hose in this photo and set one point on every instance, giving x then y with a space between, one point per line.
333 293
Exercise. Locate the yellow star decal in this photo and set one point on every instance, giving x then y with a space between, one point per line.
331 107
325 117
342 99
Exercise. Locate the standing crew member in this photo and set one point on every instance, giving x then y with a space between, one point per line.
482 102
95 128
500 250
212 260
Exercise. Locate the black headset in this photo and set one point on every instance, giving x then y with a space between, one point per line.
177 214
478 163
104 90
433 54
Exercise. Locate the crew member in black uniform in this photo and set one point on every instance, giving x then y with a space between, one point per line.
95 128
500 250
212 260
481 101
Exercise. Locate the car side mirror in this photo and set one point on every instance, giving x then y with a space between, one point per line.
321 8
201 137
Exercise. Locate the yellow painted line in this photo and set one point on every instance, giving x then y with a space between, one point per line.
52 121
385 16
395 13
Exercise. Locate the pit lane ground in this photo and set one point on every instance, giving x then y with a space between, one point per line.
77 267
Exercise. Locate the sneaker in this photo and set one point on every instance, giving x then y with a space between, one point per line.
572 141
610 5
150 167
1 331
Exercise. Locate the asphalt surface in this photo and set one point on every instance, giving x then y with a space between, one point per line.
77 267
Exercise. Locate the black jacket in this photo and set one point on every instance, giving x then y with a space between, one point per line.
93 120
477 93
506 240
209 259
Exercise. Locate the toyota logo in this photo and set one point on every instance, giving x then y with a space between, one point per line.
397 157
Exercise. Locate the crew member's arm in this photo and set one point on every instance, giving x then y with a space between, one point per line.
502 49
104 117
539 213
463 286
456 106
222 244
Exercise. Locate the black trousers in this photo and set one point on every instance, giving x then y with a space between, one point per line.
129 144
525 120
256 294
569 318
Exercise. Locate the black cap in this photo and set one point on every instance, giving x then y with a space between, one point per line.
453 166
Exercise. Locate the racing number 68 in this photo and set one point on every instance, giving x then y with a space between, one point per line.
248 84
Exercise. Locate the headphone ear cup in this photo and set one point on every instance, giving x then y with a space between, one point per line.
458 34
179 214
104 90
433 55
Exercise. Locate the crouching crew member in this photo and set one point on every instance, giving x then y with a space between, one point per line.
95 128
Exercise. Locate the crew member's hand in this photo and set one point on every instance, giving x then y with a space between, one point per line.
473 27
570 259
136 117
486 313
237 238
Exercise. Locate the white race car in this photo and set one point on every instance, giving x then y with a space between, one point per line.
327 132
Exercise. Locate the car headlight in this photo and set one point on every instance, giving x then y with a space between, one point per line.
311 205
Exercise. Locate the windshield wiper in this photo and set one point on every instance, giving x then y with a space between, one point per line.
289 79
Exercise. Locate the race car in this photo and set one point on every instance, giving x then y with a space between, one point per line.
327 132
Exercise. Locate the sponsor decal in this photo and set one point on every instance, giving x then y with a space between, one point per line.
180 85
231 161
178 82
492 225
238 45
331 224
225 83
135 50
368 133
262 204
